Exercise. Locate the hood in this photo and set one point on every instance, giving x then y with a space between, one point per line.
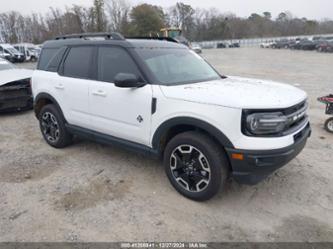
236 92
11 75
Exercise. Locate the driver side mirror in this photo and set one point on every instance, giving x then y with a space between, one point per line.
128 80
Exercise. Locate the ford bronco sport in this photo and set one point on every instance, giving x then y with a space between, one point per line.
159 97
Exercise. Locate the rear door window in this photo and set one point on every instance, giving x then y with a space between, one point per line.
78 63
114 60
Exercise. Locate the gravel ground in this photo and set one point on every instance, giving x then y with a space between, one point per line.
92 192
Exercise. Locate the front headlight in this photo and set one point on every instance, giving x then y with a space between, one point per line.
265 123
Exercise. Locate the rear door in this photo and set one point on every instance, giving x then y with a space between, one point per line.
72 85
121 112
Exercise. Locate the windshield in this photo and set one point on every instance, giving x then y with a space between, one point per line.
4 65
177 66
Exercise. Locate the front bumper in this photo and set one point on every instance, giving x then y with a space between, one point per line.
17 58
257 165
16 104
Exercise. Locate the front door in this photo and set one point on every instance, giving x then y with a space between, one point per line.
120 112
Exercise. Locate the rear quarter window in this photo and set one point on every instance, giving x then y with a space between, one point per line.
46 55
55 61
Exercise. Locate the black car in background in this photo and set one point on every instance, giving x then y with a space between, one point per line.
284 43
221 45
304 44
234 45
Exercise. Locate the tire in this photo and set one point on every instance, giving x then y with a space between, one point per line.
210 171
52 126
329 125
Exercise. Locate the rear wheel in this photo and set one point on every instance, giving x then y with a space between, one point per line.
53 128
329 125
195 165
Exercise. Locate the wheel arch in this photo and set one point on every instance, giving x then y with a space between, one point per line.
174 126
43 99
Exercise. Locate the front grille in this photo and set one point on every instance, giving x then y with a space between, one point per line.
298 136
297 117
295 108
15 90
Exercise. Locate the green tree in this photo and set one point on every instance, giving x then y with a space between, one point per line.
267 15
255 17
146 20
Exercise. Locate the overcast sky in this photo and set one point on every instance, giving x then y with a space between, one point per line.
315 9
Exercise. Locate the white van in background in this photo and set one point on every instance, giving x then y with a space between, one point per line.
4 55
29 51
15 55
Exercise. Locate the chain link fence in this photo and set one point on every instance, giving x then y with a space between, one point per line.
255 42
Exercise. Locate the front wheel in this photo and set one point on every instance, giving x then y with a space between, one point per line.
329 125
195 165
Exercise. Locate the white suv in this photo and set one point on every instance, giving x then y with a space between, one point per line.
158 97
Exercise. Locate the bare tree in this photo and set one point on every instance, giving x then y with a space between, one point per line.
181 16
145 19
118 13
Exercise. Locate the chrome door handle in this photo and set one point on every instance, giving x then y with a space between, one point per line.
99 93
59 86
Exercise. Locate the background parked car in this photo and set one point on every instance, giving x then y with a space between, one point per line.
284 43
304 44
15 56
196 48
267 44
24 50
307 45
326 46
221 45
234 45
28 50
15 88
4 55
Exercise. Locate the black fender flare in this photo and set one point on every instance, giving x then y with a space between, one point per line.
50 98
203 125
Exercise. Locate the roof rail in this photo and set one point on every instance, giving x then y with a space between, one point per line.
107 36
161 38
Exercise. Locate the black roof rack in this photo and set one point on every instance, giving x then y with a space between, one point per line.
169 39
107 36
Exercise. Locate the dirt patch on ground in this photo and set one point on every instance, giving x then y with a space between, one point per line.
29 168
98 190
303 228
